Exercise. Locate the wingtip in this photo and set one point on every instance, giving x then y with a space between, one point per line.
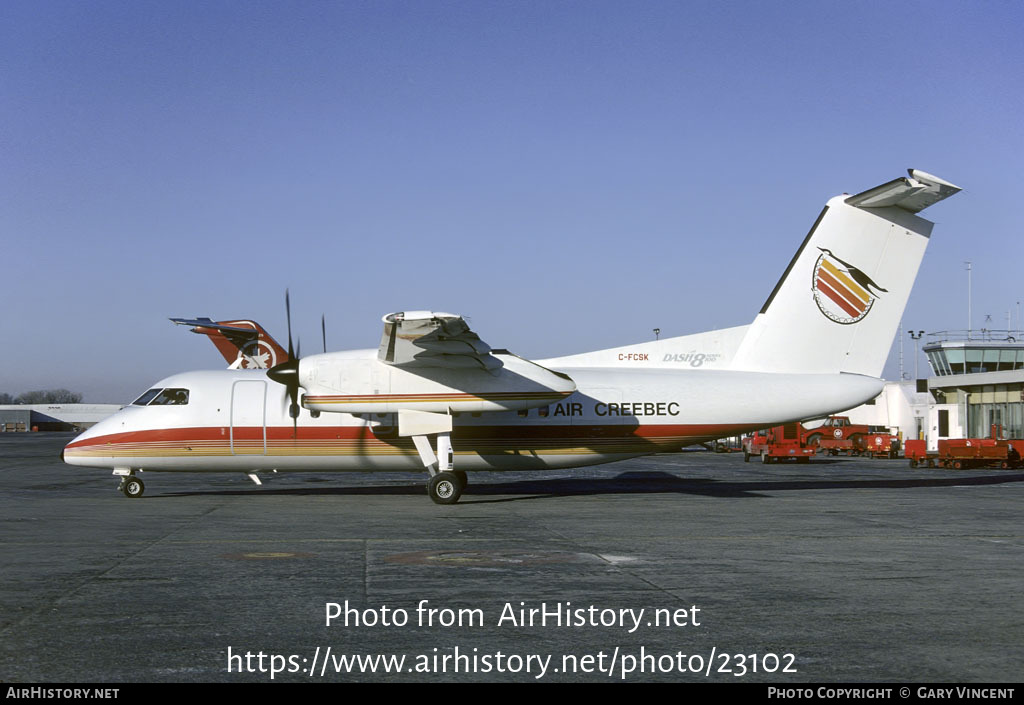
925 177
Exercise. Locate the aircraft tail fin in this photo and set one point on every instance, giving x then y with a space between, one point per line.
840 301
244 344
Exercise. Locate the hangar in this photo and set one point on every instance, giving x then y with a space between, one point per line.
52 417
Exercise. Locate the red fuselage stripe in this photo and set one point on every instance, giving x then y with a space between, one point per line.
466 437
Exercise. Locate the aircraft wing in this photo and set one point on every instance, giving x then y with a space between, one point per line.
429 339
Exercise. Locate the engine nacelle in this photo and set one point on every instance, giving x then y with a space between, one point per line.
340 382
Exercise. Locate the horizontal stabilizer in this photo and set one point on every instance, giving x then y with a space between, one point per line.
209 323
912 194
243 343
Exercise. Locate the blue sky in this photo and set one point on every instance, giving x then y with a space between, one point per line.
569 175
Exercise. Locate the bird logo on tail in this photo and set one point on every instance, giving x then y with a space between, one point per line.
842 292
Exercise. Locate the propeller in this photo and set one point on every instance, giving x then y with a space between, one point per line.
287 373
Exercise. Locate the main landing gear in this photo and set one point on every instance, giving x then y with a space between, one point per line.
445 485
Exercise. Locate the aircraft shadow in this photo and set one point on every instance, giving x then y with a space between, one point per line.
636 483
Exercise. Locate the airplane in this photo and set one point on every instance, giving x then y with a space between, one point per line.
434 397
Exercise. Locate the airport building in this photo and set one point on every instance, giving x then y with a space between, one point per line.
976 382
52 417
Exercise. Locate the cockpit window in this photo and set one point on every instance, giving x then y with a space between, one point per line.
171 397
146 398
163 397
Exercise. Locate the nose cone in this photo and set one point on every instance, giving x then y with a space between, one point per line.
73 452
87 446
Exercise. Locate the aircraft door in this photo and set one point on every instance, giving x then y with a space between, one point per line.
249 417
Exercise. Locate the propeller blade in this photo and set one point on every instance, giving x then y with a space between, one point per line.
323 330
287 373
288 315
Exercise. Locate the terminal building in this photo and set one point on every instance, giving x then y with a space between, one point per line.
976 382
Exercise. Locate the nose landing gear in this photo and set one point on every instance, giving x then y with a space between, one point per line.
132 486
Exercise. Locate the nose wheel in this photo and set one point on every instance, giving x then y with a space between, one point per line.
132 486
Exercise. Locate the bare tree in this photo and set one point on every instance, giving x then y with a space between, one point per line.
49 396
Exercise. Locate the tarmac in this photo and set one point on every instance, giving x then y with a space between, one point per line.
683 567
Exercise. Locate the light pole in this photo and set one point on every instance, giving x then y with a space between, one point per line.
916 336
657 332
968 299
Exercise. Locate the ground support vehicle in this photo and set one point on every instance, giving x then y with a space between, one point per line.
959 453
783 442
878 443
838 435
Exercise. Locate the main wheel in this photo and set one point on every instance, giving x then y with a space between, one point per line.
132 487
444 488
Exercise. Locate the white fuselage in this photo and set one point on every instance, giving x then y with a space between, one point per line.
237 420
